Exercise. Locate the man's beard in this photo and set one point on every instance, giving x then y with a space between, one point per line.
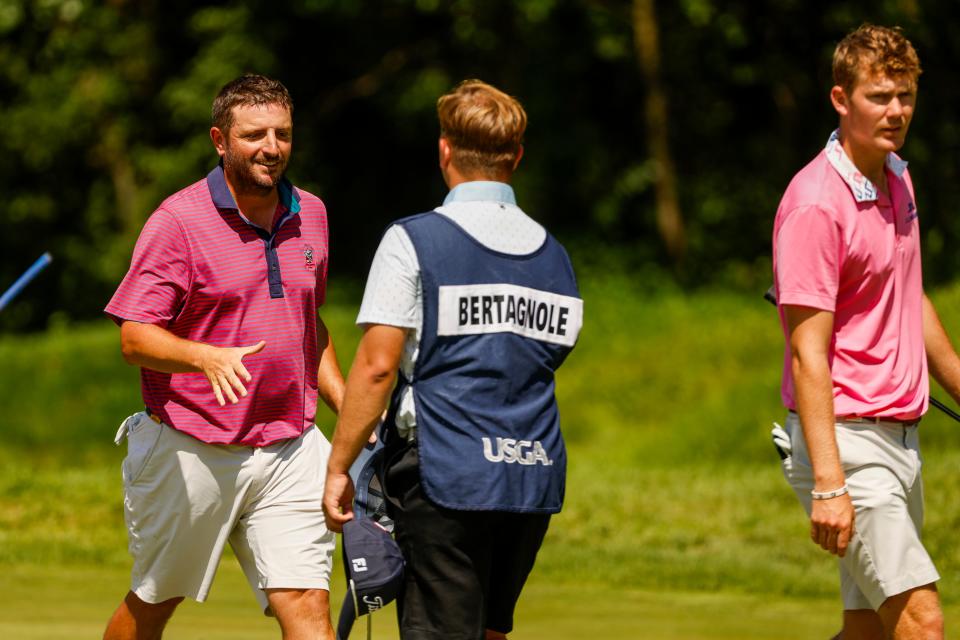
242 176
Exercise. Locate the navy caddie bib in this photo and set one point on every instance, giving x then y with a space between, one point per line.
495 329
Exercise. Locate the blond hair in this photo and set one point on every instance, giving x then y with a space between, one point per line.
484 127
875 50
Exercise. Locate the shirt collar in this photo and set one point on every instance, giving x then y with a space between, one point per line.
289 197
481 190
223 199
863 190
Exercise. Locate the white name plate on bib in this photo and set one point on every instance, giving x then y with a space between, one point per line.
506 308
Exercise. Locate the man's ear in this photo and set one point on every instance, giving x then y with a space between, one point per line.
840 100
445 151
219 140
516 162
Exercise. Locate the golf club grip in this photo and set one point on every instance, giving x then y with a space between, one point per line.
39 265
770 296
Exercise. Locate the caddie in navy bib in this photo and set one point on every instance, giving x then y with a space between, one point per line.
495 329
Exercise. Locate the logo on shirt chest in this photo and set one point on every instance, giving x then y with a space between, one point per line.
912 213
308 262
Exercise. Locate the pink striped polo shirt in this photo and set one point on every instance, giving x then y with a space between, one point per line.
842 246
204 273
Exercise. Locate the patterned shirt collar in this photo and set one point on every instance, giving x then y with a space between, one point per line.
863 190
481 190
223 199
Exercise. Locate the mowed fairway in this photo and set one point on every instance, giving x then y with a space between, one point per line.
77 601
677 522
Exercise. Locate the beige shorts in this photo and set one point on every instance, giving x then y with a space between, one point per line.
882 464
185 499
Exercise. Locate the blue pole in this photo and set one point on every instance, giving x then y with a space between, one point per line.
28 275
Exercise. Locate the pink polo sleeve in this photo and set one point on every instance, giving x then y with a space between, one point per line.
808 258
156 284
321 288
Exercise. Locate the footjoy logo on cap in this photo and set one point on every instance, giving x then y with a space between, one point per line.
511 451
373 602
359 564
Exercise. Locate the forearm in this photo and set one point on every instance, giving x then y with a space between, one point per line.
330 385
814 396
154 347
369 384
831 518
367 392
810 338
942 358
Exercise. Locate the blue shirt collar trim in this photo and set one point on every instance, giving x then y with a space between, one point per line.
223 199
481 190
289 197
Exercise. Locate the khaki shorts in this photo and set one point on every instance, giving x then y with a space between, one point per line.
185 499
882 464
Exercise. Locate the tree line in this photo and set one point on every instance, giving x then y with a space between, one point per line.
661 133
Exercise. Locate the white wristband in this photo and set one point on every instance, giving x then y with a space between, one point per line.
826 495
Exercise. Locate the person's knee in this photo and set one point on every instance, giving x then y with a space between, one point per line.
914 614
294 607
151 611
135 618
309 599
860 624
926 624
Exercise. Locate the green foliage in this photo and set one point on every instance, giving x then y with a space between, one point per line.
106 107
67 390
52 514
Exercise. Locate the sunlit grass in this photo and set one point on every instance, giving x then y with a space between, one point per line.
666 405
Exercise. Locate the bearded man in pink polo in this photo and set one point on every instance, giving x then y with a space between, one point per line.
860 338
219 309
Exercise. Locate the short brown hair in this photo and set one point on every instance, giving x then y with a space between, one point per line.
876 50
484 126
248 90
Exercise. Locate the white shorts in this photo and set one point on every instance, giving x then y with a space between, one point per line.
185 499
882 464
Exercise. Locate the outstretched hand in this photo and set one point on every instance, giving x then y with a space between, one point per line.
223 367
338 500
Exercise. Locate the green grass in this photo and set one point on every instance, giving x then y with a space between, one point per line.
77 601
85 598
677 520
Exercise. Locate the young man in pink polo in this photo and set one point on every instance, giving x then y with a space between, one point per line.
219 309
860 336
